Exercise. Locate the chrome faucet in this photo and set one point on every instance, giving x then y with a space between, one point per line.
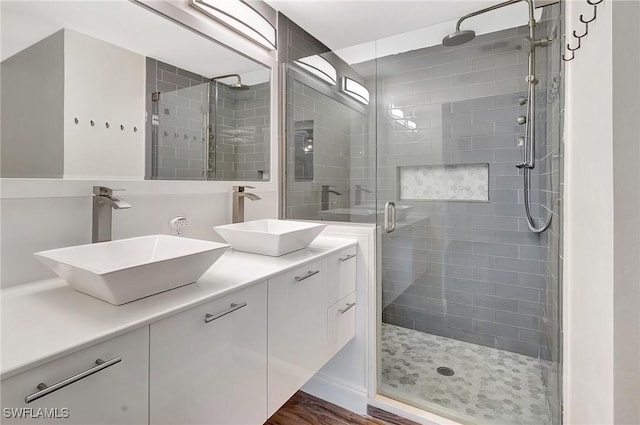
359 191
238 202
325 196
103 203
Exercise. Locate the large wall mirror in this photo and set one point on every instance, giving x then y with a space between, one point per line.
112 90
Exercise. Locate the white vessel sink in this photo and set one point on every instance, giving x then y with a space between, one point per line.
128 269
270 237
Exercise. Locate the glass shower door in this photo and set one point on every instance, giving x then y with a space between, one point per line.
468 319
180 134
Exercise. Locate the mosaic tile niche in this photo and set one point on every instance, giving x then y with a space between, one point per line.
464 182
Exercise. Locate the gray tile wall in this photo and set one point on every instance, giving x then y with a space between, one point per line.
243 133
466 270
342 156
336 127
181 133
239 127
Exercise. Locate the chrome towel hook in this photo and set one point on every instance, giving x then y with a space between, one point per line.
586 31
579 37
573 49
595 15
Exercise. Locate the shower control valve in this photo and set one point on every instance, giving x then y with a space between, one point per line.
522 119
525 164
522 100
531 79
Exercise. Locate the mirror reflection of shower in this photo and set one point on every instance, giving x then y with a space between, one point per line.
460 37
209 128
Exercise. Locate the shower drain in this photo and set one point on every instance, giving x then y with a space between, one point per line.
446 371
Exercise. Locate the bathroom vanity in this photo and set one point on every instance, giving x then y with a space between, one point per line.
230 348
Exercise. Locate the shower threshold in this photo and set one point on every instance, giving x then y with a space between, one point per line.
488 386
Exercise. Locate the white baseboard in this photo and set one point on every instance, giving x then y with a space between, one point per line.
339 393
355 399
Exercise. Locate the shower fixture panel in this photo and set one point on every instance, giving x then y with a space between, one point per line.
529 146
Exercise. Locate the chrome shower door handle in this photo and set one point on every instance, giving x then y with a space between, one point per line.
389 216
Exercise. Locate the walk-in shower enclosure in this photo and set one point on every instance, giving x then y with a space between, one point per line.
469 297
203 129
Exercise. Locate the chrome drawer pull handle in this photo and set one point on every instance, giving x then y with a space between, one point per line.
233 307
46 390
348 257
307 276
349 307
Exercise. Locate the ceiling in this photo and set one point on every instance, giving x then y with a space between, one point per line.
351 27
345 23
125 24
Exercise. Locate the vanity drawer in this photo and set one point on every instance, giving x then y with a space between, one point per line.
113 392
341 323
341 274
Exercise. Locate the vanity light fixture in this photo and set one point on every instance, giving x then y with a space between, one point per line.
240 17
397 116
320 67
355 90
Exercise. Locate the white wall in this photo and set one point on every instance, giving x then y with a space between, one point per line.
38 214
32 134
626 151
106 84
44 214
601 231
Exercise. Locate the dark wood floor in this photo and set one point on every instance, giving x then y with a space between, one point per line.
305 409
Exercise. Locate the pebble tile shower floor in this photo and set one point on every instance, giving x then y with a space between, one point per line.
489 386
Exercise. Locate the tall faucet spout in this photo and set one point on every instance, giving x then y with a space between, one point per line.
119 204
251 196
103 203
239 193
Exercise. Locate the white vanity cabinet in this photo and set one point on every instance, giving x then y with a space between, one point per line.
341 298
341 274
297 330
103 384
209 364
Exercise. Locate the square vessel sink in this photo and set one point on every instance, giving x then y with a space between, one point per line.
128 269
270 237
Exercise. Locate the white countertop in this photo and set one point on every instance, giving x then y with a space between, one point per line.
45 320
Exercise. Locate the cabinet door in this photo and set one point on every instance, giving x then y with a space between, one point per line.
342 323
113 392
297 330
341 275
209 364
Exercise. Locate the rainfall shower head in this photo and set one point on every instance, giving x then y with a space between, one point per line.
459 37
233 86
464 36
